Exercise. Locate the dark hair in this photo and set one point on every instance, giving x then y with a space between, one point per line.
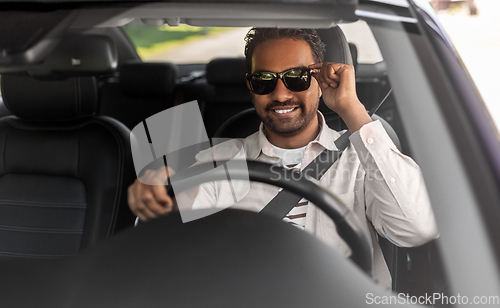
258 35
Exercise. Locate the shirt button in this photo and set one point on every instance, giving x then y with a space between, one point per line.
369 140
393 180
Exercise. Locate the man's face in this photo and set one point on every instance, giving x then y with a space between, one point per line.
284 112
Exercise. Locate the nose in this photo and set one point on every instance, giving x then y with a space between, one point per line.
281 93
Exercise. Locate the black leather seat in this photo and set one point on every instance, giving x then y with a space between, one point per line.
64 172
230 94
140 91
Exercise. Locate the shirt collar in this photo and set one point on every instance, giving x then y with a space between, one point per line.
325 139
327 136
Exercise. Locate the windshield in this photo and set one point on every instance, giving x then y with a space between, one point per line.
203 68
186 44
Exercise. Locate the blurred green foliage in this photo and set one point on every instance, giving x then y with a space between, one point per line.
150 40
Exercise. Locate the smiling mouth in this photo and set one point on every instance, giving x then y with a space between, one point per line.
283 111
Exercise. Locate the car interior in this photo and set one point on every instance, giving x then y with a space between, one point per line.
65 127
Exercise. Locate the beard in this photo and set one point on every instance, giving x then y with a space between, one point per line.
287 126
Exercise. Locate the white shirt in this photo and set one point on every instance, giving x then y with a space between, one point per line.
383 187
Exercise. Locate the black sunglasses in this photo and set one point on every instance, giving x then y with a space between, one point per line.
295 79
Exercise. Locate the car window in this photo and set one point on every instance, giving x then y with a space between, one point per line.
185 44
360 34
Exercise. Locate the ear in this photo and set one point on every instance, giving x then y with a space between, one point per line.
251 92
248 86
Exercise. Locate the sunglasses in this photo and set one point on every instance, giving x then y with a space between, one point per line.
295 79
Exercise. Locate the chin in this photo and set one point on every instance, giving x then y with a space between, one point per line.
284 130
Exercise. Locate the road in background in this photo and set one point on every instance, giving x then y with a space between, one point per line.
477 41
231 44
226 44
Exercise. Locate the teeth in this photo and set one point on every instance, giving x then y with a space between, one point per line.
283 110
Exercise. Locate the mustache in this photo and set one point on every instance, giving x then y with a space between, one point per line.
286 103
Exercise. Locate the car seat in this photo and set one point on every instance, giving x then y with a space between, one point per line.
64 172
140 91
230 94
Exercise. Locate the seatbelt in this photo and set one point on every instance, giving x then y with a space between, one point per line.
285 201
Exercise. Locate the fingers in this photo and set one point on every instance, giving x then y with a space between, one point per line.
331 74
316 65
147 196
338 85
136 202
160 195
347 74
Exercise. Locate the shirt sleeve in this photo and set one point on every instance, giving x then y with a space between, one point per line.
396 197
224 193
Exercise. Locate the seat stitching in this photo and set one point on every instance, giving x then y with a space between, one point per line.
339 39
44 204
104 122
40 230
5 150
27 255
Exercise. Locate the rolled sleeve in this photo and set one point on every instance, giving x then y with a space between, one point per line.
396 198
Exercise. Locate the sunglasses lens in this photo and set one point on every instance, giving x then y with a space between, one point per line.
297 80
263 83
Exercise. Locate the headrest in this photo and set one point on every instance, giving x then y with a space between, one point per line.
78 55
147 79
227 71
354 55
38 100
338 51
337 48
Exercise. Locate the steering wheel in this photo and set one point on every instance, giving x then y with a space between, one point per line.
348 225
231 258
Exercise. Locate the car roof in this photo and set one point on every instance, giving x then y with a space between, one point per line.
37 26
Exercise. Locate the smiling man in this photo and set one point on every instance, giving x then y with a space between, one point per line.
287 77
290 116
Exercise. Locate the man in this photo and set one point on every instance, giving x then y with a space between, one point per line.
382 186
